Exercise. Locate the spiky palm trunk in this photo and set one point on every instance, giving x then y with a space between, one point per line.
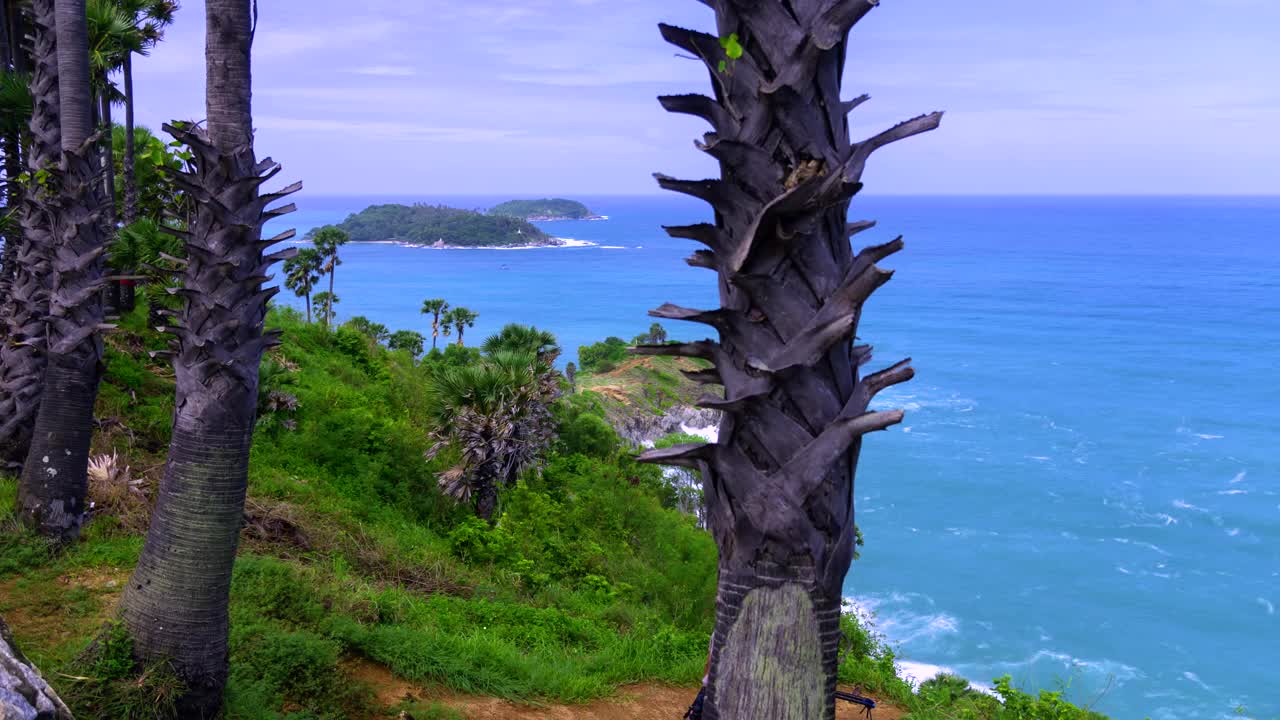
175 606
22 353
51 494
779 483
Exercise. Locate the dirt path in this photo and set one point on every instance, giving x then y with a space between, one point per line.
633 702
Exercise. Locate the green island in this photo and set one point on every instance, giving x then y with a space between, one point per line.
545 210
440 226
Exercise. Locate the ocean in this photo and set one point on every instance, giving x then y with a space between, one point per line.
1085 493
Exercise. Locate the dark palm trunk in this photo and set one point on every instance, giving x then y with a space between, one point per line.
108 160
8 255
308 296
52 490
22 354
175 605
779 483
130 175
333 270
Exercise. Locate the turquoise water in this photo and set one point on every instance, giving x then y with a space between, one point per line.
1084 492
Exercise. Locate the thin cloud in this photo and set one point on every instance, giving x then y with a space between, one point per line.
385 71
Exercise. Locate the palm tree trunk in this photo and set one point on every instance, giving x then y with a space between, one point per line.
333 270
22 355
130 175
108 161
51 493
779 483
308 296
175 606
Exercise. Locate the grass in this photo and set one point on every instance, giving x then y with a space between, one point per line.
350 555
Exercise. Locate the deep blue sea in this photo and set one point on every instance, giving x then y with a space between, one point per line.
1086 490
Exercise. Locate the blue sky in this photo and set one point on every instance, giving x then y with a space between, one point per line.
557 96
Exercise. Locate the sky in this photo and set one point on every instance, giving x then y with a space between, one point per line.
539 97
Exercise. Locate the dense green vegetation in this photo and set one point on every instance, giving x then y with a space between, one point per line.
428 224
590 577
543 209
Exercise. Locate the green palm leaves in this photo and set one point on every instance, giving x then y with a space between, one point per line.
302 272
495 415
435 307
327 241
459 319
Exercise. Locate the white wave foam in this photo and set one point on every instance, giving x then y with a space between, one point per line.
1168 519
572 243
710 433
913 672
612 247
1239 477
1233 492
1196 679
1205 436
1266 605
918 672
1184 505
905 626
1106 668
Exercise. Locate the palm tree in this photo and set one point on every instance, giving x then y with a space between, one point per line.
496 415
779 482
435 307
302 272
52 489
327 241
117 30
112 35
325 301
518 338
22 353
462 318
175 605
151 17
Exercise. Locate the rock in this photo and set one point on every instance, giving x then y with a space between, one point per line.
24 695
642 429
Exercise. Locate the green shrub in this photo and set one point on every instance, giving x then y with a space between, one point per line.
602 356
589 434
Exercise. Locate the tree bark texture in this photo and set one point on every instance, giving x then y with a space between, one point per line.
51 492
175 605
22 352
779 482
228 77
130 158
73 73
108 165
